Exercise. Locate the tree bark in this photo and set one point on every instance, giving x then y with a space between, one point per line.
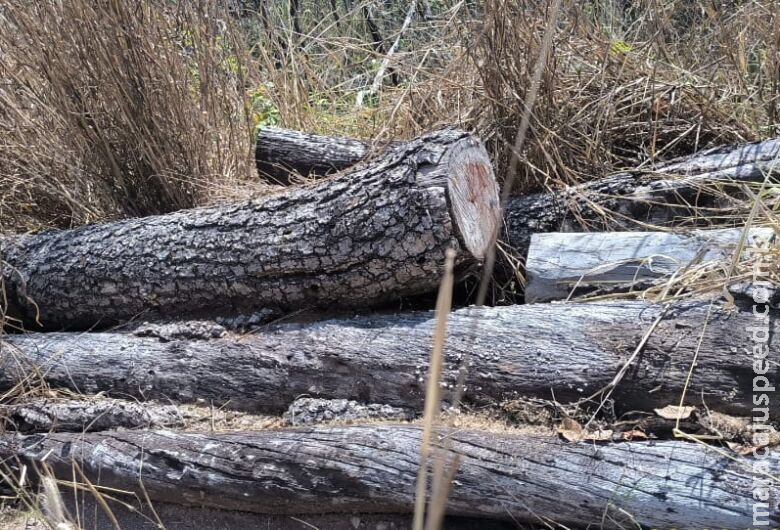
282 153
563 265
367 237
662 484
80 415
563 352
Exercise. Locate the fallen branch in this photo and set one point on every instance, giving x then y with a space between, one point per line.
690 191
662 484
566 352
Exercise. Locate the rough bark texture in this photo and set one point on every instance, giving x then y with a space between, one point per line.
560 265
366 237
373 469
280 153
78 415
310 411
568 352
639 200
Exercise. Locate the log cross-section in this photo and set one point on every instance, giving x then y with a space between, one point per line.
366 237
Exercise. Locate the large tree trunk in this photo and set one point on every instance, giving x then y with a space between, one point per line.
667 192
367 237
563 352
373 469
563 265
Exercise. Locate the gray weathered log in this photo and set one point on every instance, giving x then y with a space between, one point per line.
80 415
366 237
681 192
568 352
281 153
664 484
561 265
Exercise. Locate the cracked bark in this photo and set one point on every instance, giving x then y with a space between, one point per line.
660 484
279 153
566 352
366 237
83 415
668 193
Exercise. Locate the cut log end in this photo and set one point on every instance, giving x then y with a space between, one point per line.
474 196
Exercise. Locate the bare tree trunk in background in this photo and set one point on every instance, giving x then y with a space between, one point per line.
384 66
377 41
334 10
295 17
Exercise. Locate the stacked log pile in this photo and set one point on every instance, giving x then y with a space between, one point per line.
154 313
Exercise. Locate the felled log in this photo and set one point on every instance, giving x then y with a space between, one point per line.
670 192
80 415
564 264
687 192
662 484
281 153
367 237
566 352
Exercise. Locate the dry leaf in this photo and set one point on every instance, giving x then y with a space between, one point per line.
634 434
673 412
570 430
599 435
742 450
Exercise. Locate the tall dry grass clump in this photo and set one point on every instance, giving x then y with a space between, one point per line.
114 109
626 84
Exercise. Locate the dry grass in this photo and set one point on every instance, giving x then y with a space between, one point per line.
113 109
621 87
117 109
